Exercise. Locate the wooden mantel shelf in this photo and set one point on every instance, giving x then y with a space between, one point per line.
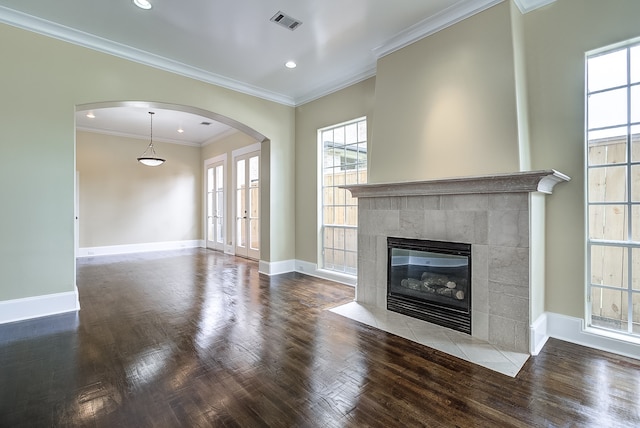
530 181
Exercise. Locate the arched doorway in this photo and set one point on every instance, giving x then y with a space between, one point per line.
138 208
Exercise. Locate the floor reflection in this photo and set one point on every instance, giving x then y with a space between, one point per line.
148 365
199 338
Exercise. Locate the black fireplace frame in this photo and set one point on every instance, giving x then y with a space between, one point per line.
441 314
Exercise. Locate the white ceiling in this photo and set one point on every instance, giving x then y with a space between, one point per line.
134 121
235 45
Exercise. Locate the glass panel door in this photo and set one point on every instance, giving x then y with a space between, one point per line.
247 205
241 211
215 206
254 207
219 213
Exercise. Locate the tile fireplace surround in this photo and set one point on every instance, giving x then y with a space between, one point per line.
501 216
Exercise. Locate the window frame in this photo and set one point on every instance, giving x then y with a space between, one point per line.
626 243
346 165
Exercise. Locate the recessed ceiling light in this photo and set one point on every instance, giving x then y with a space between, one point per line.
290 64
90 115
180 130
142 4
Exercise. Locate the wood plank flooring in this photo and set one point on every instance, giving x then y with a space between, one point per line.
196 338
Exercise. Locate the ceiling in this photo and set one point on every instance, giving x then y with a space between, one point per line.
234 44
133 120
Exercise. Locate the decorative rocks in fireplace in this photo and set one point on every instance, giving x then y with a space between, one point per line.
430 280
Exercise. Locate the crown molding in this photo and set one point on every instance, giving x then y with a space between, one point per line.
81 38
213 140
448 17
454 14
526 6
337 85
113 133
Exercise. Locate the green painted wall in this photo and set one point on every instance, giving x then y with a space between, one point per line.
497 92
351 103
557 38
446 105
43 79
451 104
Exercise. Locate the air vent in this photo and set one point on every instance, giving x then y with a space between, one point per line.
205 123
286 21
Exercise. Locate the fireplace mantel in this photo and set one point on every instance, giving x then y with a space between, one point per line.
500 215
530 181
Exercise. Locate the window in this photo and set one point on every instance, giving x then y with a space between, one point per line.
613 189
343 157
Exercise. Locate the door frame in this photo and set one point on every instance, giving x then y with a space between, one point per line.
243 151
220 159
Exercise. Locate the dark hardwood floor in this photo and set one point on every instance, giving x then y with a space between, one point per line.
196 338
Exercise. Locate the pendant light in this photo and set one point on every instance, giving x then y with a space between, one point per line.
150 159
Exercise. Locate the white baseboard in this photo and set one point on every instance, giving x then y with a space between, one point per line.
311 269
276 268
538 335
139 248
39 306
571 329
307 268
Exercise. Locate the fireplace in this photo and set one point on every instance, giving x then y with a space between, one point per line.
430 280
501 216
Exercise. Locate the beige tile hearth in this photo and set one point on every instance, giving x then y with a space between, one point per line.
434 336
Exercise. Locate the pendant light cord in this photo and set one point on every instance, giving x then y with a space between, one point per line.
150 146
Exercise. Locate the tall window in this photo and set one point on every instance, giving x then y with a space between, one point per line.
613 189
343 151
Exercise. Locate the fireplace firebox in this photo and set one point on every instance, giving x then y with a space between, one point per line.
431 281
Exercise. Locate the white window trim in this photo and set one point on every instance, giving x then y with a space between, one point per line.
319 190
628 335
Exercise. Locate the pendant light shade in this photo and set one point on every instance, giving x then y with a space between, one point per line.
150 157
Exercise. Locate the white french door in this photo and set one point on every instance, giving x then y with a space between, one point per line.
215 206
247 205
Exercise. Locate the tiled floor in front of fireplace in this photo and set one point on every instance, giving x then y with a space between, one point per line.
434 336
